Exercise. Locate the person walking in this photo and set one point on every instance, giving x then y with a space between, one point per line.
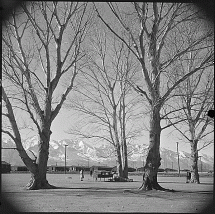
188 177
95 175
81 175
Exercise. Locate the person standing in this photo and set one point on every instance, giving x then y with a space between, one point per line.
95 175
81 175
188 177
91 173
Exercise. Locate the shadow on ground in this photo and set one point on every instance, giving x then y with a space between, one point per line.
184 183
194 196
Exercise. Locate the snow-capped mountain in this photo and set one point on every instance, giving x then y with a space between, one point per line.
30 142
82 153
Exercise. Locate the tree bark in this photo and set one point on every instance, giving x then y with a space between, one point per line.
38 181
38 176
194 164
125 160
123 135
153 157
119 162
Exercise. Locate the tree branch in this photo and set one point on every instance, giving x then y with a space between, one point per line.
63 98
172 124
108 26
143 92
184 78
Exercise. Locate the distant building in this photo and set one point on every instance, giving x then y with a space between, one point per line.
140 169
78 168
170 170
103 168
5 167
54 168
19 169
184 170
130 169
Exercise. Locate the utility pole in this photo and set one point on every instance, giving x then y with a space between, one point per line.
178 161
172 165
65 157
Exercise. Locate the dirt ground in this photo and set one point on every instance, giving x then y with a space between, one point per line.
103 196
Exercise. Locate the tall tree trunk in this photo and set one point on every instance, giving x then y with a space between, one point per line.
194 162
38 168
123 137
117 146
153 157
38 176
125 160
119 161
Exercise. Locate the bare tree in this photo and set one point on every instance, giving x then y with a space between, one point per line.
41 46
105 97
196 96
154 28
192 99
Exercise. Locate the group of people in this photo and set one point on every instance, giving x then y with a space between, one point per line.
94 174
91 173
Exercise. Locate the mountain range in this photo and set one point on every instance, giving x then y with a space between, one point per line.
83 154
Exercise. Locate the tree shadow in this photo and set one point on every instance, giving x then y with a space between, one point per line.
171 182
185 183
137 191
90 188
151 192
206 183
141 191
120 181
195 191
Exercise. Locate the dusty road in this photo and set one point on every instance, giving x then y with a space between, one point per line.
90 196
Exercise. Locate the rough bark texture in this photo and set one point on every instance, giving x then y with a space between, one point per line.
194 164
37 181
125 160
38 176
123 134
119 162
153 157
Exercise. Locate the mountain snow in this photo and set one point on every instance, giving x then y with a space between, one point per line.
30 142
82 153
54 144
181 154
